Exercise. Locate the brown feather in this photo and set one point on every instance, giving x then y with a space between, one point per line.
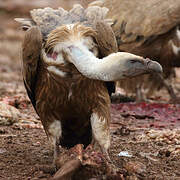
31 53
62 33
105 38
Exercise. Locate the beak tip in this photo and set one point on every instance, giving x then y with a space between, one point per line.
155 67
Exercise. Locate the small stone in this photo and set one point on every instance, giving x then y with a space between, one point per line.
8 114
2 150
153 135
125 154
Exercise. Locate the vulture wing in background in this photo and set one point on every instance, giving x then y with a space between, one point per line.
149 29
141 20
68 56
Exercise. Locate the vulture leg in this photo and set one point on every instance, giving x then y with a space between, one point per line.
101 136
54 133
100 131
169 88
140 96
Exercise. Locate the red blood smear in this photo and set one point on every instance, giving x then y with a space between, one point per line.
163 114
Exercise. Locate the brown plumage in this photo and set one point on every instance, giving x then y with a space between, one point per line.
149 29
50 94
64 76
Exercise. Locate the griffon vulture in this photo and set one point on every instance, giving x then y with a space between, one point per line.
148 28
68 59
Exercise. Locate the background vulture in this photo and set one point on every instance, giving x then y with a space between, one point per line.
148 28
68 59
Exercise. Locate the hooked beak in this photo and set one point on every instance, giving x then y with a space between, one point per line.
135 65
153 66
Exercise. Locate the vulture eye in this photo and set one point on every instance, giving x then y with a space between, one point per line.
25 28
133 61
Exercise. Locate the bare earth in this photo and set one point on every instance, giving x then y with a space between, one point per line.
147 135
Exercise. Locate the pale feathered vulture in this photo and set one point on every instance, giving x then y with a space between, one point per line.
68 59
148 28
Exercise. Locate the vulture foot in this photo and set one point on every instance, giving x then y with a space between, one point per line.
174 99
78 162
68 162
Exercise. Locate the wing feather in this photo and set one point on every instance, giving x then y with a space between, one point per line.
31 54
138 19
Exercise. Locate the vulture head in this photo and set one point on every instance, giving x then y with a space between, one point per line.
80 46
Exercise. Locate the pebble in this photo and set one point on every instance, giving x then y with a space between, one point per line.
8 114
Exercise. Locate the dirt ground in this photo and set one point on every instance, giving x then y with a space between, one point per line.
145 137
